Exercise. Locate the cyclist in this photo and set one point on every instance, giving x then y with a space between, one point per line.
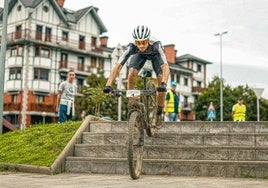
141 49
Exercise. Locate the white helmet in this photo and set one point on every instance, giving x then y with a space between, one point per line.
141 32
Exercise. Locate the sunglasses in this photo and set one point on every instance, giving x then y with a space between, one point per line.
141 42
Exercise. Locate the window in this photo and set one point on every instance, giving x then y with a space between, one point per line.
178 78
18 31
48 34
14 98
15 74
101 64
81 42
16 50
80 65
199 83
62 77
39 98
199 68
93 42
42 51
79 84
172 77
45 8
38 35
186 81
65 35
93 62
63 60
40 74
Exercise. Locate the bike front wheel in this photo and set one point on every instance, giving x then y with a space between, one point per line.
135 144
151 110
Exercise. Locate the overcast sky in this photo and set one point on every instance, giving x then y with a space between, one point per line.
190 25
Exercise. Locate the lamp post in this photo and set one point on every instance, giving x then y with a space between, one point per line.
44 114
258 92
3 62
221 92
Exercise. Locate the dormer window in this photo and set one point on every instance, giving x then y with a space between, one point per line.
19 8
45 8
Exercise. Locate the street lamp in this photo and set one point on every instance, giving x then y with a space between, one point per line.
44 114
258 92
221 92
3 62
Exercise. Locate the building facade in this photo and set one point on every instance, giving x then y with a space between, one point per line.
46 40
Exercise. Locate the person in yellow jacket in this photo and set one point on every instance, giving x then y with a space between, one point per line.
172 108
239 110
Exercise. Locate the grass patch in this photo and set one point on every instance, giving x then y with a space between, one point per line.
39 145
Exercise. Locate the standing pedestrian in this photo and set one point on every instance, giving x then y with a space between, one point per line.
65 99
239 110
172 108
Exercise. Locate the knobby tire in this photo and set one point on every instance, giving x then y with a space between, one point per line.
152 108
135 152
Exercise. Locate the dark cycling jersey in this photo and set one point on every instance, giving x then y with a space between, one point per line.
154 52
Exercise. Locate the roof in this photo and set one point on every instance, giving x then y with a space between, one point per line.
68 16
189 57
178 67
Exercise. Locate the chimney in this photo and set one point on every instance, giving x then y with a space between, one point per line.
60 2
170 53
104 41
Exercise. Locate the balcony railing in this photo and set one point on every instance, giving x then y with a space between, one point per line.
42 107
187 106
197 89
33 35
9 106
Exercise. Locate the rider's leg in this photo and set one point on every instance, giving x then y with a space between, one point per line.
132 76
161 95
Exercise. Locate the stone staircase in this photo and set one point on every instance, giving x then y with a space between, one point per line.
222 149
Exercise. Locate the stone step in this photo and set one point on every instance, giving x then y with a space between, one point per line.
187 127
205 139
237 153
227 149
174 167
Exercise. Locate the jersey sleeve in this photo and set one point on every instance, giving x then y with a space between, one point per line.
124 57
160 50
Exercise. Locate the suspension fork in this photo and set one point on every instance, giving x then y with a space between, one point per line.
143 121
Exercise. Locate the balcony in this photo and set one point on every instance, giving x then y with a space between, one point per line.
187 106
9 106
197 89
42 107
53 40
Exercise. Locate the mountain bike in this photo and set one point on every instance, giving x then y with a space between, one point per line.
141 116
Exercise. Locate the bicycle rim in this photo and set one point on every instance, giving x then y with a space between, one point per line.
135 152
152 108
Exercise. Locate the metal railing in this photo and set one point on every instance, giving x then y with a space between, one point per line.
55 40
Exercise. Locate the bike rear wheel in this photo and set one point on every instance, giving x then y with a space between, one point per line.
152 108
135 146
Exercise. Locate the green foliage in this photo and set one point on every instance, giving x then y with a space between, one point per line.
230 96
97 103
39 145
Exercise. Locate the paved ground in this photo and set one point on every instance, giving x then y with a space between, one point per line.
72 180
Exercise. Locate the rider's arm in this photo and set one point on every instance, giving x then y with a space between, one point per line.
165 72
118 66
114 74
164 66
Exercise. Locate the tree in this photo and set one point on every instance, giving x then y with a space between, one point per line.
94 101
